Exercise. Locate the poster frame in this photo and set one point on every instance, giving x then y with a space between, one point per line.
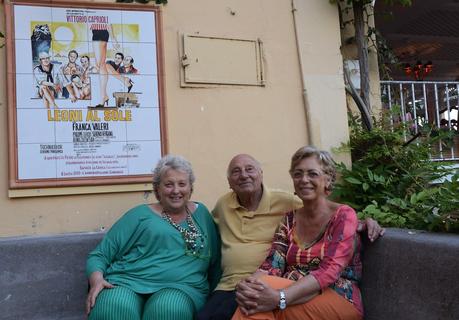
14 181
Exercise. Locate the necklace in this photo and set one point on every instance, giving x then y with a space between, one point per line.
189 235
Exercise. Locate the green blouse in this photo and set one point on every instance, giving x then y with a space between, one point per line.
145 253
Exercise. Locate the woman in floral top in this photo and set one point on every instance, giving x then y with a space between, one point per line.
313 267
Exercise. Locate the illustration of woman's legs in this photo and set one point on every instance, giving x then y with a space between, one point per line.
100 52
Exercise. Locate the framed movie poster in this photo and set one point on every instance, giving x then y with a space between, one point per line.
85 93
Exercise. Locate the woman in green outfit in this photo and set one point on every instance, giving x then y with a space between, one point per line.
158 261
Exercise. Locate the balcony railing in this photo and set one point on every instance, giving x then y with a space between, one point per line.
421 102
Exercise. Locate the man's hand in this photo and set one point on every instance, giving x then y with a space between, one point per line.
97 283
254 296
374 230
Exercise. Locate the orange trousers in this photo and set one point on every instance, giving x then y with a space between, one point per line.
326 306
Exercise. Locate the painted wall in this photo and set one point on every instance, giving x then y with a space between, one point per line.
319 43
211 124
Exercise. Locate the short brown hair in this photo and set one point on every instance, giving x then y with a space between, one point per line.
324 158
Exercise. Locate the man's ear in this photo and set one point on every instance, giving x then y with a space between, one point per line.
261 175
229 184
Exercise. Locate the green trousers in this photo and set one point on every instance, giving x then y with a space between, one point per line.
122 303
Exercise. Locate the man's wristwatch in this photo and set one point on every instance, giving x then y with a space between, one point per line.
282 301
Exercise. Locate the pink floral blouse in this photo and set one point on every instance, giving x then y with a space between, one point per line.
333 258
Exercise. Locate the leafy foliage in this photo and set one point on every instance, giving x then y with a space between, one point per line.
392 181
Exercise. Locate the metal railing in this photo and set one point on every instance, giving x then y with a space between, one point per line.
427 102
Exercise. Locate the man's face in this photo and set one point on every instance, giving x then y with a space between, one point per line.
244 175
118 59
127 61
84 62
72 57
45 61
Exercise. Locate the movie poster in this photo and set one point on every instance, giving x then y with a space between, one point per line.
86 91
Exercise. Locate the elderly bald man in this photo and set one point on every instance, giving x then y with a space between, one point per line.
247 217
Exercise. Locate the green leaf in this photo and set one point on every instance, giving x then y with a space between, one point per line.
413 198
365 186
370 174
423 195
352 180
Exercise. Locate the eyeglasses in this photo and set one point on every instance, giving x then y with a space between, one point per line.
311 174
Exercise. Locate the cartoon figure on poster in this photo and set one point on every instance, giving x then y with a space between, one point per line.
62 77
45 73
128 66
86 76
70 71
46 78
101 33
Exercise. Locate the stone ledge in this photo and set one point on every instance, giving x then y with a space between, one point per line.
44 277
407 276
411 275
